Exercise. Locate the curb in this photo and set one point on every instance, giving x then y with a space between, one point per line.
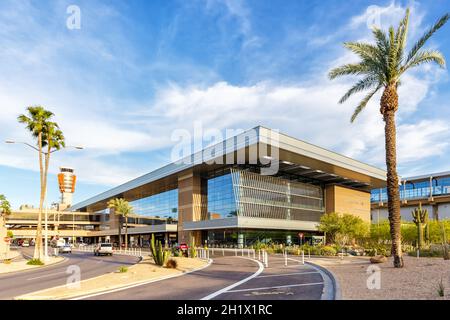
336 286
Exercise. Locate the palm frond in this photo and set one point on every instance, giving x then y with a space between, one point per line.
420 43
402 34
348 69
364 102
364 50
424 57
363 84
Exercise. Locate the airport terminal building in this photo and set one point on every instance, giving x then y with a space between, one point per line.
258 185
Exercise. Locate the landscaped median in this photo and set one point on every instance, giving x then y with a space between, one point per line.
22 265
143 272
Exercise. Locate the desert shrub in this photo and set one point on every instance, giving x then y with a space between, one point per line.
278 249
316 250
432 251
328 251
177 253
378 249
192 251
123 269
172 264
35 262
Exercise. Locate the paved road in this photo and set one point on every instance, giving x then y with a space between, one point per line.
22 282
296 281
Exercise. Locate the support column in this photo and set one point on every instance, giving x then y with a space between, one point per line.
192 206
240 240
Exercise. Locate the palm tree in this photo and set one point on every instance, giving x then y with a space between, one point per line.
123 209
50 137
5 209
5 206
382 64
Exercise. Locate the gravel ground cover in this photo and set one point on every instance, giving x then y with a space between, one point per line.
419 279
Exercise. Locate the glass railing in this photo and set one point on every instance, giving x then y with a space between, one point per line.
411 194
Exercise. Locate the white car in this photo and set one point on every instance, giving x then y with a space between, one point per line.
67 248
25 244
103 249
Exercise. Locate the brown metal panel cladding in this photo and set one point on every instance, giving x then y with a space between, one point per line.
347 200
192 204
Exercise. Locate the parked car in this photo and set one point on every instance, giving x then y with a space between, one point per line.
25 243
67 248
103 249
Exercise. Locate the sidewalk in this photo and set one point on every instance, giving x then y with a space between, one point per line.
143 272
419 279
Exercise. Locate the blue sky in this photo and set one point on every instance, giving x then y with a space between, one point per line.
138 70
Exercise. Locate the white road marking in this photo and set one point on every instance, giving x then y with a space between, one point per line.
278 287
287 274
226 289
47 275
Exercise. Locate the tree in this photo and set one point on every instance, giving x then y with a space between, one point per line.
5 206
343 227
123 209
50 138
382 65
5 209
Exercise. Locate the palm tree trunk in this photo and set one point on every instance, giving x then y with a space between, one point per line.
120 232
389 104
38 252
126 232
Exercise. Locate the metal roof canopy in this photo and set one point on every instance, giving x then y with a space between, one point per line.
309 163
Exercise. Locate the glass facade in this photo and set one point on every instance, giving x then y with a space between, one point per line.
162 205
270 197
221 200
253 195
416 190
248 237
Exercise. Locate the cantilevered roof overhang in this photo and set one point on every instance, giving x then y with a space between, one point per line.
294 158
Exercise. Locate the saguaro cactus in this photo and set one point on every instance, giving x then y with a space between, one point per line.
420 219
160 256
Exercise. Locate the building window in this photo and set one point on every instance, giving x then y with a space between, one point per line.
161 205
